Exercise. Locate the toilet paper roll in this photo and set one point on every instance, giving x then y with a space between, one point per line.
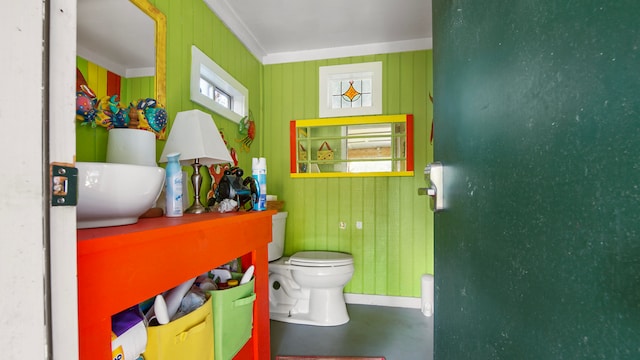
132 342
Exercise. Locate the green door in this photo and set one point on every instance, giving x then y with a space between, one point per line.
537 121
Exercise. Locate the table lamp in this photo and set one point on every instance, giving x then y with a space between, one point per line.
195 136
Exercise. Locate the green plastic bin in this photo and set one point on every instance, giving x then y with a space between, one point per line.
232 319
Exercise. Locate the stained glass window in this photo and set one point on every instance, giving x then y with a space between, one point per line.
352 89
351 93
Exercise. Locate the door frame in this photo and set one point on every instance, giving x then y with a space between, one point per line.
61 148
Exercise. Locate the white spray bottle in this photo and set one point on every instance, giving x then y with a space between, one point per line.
259 173
173 186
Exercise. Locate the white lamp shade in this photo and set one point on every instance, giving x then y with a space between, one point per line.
195 136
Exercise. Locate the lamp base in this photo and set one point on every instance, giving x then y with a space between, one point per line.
196 181
196 208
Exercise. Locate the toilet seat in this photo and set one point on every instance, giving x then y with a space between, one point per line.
320 259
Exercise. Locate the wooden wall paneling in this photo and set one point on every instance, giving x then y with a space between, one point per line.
82 64
390 106
343 213
381 236
296 217
336 243
388 248
137 88
113 84
358 195
421 129
395 242
187 37
318 224
281 95
273 124
85 136
97 81
405 198
224 56
125 97
201 29
311 84
368 236
173 11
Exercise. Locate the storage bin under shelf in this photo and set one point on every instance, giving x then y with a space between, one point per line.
232 319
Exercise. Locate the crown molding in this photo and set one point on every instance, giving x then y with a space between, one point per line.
230 18
347 51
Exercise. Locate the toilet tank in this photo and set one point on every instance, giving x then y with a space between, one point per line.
276 246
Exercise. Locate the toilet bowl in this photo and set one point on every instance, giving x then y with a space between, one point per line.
307 287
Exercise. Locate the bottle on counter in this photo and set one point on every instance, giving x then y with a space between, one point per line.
259 173
173 186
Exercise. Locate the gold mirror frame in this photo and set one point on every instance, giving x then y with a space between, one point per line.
161 47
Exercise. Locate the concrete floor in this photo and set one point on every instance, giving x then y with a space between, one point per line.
395 333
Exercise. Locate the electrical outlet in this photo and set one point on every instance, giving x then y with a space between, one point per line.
343 225
359 225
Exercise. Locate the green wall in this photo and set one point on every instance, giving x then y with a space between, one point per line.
395 246
191 22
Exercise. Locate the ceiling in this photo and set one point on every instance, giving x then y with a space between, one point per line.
295 30
275 31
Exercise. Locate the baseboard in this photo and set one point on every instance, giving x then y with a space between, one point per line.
382 300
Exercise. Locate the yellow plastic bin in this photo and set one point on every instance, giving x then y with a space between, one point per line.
232 319
187 338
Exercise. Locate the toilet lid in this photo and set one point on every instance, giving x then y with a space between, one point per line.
321 258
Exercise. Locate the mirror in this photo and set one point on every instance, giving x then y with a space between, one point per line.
352 146
126 37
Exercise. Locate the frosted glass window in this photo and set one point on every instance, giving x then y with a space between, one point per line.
215 89
214 93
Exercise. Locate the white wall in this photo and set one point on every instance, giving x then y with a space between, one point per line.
22 262
26 218
62 149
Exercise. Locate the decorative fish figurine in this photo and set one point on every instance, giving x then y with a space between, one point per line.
111 114
119 114
85 106
151 115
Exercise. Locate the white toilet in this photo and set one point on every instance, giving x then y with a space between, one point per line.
307 287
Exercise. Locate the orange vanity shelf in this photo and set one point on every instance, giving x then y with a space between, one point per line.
121 266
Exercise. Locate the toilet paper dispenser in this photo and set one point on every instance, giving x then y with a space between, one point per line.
433 175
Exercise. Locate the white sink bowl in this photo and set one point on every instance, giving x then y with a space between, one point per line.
115 194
